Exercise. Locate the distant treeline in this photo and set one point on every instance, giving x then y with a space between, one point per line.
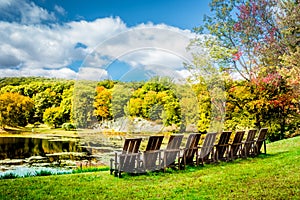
37 100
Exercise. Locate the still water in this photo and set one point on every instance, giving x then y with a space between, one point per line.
24 147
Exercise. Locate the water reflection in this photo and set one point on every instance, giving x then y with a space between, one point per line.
21 148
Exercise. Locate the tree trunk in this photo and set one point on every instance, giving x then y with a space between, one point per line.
282 126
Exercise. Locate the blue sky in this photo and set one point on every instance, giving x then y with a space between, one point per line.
184 14
96 39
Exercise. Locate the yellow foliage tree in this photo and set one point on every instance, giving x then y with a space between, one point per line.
15 109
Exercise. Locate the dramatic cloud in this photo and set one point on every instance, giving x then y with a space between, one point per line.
30 45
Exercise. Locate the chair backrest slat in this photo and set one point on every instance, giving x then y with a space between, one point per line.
151 153
238 137
249 141
174 142
224 138
261 138
236 143
251 135
154 143
208 144
172 150
191 147
127 162
262 134
131 145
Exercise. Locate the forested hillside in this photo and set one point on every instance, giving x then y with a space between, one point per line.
266 103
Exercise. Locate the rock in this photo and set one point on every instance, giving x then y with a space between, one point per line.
12 162
37 159
41 164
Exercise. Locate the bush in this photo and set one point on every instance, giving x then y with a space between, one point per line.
36 124
68 126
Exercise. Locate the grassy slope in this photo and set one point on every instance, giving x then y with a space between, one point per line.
272 176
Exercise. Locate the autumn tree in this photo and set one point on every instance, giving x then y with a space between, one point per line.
255 41
274 40
15 109
102 103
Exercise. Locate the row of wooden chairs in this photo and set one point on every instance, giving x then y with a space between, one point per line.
131 160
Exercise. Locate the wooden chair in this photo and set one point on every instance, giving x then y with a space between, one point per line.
207 149
129 159
223 147
171 152
236 145
248 144
152 154
261 139
191 148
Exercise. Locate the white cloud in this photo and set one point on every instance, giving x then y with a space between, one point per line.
148 45
60 10
36 46
65 73
89 73
31 47
24 12
95 32
5 3
33 14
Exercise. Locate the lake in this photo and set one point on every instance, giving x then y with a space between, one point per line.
50 150
25 147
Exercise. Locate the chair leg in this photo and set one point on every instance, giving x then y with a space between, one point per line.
226 154
116 173
116 162
245 152
215 157
183 160
111 166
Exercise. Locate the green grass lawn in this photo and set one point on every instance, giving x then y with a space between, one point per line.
272 176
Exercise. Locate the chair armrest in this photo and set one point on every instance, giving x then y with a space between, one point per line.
261 140
221 145
171 150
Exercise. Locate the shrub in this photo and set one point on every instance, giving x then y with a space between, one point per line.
36 124
68 126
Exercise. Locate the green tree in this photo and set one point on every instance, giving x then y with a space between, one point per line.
47 93
120 96
53 116
204 105
66 104
83 104
148 100
43 100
